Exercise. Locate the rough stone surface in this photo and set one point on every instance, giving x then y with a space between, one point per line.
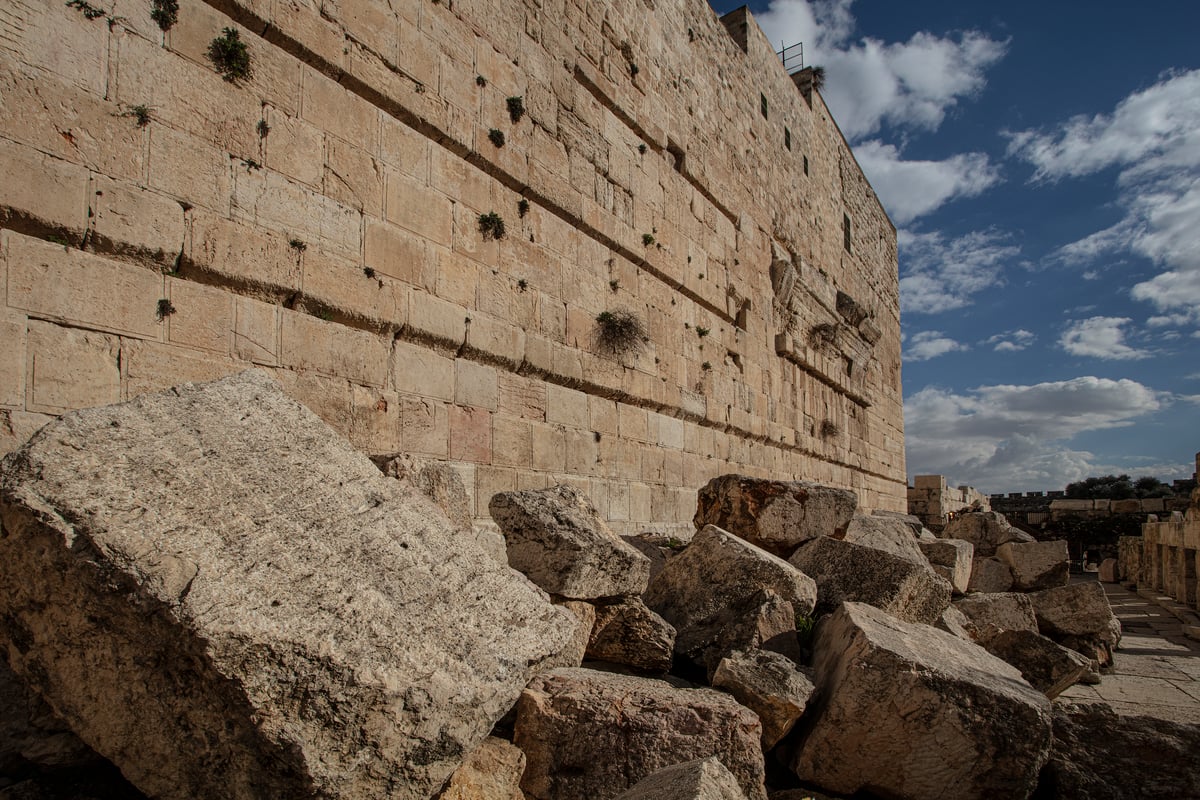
985 530
491 772
32 736
762 621
657 547
1100 755
705 589
908 711
911 520
777 516
1036 565
952 559
703 779
990 575
1050 668
768 684
629 633
957 623
437 479
187 562
845 571
1108 570
889 534
585 619
1078 616
595 734
993 612
556 538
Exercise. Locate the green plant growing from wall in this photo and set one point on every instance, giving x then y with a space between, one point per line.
140 114
369 272
647 239
298 245
230 56
642 148
516 108
89 11
829 429
496 137
818 78
522 207
263 128
522 284
702 331
164 309
480 81
619 332
165 13
491 226
614 285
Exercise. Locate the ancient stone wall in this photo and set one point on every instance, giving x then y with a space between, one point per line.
321 218
935 503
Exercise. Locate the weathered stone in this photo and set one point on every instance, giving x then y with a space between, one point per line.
845 571
768 684
708 589
986 530
764 621
777 516
556 538
657 547
629 633
184 563
491 772
585 617
998 611
989 574
1108 570
1078 616
590 734
957 623
1050 668
888 534
32 736
437 479
1036 565
908 711
952 559
703 779
911 520
1100 755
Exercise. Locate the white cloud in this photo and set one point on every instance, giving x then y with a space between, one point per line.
1006 437
930 344
942 275
1099 337
1011 341
910 189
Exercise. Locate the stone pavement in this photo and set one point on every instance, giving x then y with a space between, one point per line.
1157 668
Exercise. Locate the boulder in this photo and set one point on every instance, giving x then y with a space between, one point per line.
1101 755
912 521
763 621
990 575
985 530
32 736
556 538
702 779
628 633
706 591
440 481
909 712
1108 570
999 611
657 547
225 599
585 619
952 559
1078 616
777 516
589 734
1036 565
845 571
888 534
768 684
957 623
1050 668
491 772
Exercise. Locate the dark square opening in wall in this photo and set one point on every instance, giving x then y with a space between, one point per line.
787 138
846 232
805 165
762 100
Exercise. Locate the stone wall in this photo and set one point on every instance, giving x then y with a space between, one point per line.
1169 561
935 503
159 224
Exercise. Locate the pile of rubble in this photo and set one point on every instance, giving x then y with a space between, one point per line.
213 592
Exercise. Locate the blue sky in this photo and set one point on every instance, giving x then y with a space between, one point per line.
1041 162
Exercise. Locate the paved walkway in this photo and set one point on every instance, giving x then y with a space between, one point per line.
1157 668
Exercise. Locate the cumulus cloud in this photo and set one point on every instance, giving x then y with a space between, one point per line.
1099 337
940 274
1010 437
930 344
1011 341
910 189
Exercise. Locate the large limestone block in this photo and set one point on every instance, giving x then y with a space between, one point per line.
702 779
911 712
1050 668
556 538
998 611
1036 565
1108 570
888 534
1078 616
715 582
590 735
777 516
491 772
990 574
220 595
628 633
845 571
951 558
437 479
986 530
768 684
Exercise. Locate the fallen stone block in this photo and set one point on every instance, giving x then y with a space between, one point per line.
225 599
985 530
657 547
492 771
437 479
888 534
777 516
764 621
913 522
768 684
1108 570
952 559
32 737
556 538
845 571
990 575
910 712
957 623
589 734
703 779
629 633
1078 616
1100 755
1050 668
999 611
584 614
1036 565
